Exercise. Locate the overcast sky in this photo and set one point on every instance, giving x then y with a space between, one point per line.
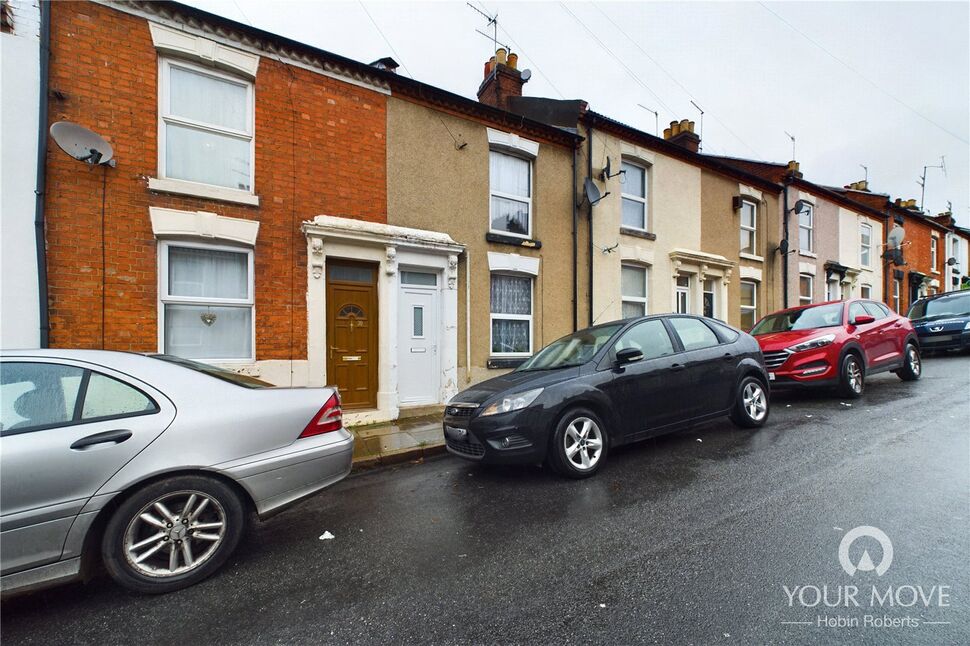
884 84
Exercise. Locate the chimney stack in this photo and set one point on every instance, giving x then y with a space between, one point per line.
907 204
793 169
682 133
862 185
502 80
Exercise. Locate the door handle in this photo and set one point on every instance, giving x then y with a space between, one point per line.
116 437
674 367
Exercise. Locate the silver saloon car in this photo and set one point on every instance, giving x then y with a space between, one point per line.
149 465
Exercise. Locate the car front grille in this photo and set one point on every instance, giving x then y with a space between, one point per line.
460 410
776 359
469 446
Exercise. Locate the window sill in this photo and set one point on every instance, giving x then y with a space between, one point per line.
505 362
513 241
638 233
182 187
751 256
807 254
934 271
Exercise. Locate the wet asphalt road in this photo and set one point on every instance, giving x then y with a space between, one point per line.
683 539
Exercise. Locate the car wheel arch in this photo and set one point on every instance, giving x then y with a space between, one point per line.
90 552
853 348
593 406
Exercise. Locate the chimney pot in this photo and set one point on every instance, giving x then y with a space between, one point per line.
513 61
501 56
667 133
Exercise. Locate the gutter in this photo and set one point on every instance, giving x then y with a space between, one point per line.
41 182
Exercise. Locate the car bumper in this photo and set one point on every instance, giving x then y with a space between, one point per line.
509 438
805 369
957 340
283 477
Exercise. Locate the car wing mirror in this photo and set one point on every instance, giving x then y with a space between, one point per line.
863 319
628 355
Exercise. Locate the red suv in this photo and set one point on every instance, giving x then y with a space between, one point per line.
837 344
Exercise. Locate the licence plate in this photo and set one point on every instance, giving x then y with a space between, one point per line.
771 376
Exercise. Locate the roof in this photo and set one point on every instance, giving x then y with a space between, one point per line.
597 120
281 46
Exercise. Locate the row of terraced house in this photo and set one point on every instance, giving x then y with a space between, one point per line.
310 219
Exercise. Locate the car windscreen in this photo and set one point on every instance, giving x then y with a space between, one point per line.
573 350
934 308
219 373
805 319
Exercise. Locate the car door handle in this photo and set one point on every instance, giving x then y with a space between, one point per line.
116 437
674 367
727 356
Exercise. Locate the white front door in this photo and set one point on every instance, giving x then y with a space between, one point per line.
419 369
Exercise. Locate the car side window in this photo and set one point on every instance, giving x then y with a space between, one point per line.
108 397
874 310
727 334
856 309
34 396
693 333
649 337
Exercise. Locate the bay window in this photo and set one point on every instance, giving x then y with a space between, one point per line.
511 315
510 181
206 126
634 196
633 288
206 307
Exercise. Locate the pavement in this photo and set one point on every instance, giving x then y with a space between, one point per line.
686 539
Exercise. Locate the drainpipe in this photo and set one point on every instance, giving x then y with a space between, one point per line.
784 257
589 173
41 183
575 247
468 317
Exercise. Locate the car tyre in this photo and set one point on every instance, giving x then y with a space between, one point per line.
751 403
172 534
852 377
912 364
579 444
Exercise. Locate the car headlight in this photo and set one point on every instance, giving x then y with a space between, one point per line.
508 404
811 344
967 326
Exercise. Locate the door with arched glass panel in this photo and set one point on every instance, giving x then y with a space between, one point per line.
352 332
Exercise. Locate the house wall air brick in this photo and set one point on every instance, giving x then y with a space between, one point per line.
320 148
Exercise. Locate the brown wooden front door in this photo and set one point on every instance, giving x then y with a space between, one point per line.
352 332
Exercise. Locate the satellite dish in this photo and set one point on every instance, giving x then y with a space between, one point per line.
606 170
526 75
783 246
895 237
591 191
951 261
81 143
800 206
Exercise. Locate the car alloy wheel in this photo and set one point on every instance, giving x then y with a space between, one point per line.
583 442
854 374
853 377
755 403
913 365
174 534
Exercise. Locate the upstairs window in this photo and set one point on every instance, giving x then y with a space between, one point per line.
865 245
934 253
634 197
806 229
206 126
510 179
749 227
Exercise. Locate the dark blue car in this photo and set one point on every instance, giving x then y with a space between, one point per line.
942 321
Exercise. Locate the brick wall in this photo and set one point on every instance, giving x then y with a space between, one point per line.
105 67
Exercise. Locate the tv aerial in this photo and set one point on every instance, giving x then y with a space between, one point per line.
83 144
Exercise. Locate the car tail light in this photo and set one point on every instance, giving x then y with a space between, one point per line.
329 418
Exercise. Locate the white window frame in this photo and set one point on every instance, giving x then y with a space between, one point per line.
643 199
806 300
678 290
750 308
865 291
934 254
833 289
513 317
753 229
897 290
713 293
810 228
625 298
509 196
164 118
865 250
165 298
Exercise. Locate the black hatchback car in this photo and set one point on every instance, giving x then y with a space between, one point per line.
608 385
942 321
